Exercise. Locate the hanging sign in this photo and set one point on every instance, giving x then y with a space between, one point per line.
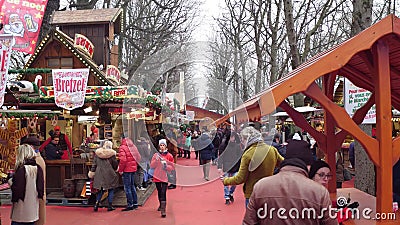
113 73
23 19
355 98
70 87
6 43
84 44
190 115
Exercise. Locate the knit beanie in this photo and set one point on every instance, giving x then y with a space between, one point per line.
299 149
316 166
162 141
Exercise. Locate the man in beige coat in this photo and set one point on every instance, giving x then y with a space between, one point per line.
35 143
290 197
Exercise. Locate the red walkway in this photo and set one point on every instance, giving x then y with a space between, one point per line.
194 203
200 204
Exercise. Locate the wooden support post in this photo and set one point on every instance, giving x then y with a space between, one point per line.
381 75
330 149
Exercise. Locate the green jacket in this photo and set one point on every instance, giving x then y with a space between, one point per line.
265 169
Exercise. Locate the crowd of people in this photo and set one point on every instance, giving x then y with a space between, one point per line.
268 169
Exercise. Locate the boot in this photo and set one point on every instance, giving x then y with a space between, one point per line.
110 207
163 206
96 206
159 207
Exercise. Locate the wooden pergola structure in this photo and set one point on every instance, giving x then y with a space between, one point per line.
370 60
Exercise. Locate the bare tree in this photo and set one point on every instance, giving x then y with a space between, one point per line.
362 16
151 26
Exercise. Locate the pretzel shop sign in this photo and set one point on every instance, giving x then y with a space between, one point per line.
70 87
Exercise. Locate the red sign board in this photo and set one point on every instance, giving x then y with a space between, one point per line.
113 73
23 19
84 44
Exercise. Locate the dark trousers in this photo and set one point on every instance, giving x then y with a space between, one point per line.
18 223
186 153
162 191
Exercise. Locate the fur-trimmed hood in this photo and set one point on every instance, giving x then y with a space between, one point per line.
105 153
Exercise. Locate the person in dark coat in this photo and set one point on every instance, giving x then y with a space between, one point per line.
52 150
205 147
229 162
103 171
64 144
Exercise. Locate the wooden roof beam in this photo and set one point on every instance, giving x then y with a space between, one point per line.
345 122
300 121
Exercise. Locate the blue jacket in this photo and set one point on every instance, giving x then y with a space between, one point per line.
205 146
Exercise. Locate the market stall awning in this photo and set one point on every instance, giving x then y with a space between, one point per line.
370 60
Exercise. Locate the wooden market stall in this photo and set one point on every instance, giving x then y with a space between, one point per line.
78 39
370 61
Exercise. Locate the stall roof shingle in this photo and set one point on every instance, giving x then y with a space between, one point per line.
85 16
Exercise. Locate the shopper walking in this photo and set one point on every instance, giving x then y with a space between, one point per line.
162 163
104 173
229 162
206 151
258 161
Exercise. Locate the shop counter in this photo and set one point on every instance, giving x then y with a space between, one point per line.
56 172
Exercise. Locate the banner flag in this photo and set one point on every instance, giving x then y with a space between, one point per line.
70 87
6 43
23 19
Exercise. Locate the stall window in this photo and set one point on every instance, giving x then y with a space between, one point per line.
60 63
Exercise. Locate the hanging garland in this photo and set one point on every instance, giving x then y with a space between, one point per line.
25 115
30 71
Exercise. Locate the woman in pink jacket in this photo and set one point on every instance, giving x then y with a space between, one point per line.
162 163
128 162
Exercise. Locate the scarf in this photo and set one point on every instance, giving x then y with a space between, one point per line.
252 140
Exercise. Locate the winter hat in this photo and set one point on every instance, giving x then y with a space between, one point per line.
57 128
31 140
162 141
296 136
316 166
299 149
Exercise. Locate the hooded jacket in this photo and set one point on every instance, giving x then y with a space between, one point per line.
128 155
266 159
104 165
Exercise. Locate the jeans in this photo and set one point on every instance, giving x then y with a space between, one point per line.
20 223
110 196
247 201
129 186
228 190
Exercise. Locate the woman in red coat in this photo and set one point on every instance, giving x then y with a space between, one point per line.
162 163
128 162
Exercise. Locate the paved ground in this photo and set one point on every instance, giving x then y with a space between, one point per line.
193 203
